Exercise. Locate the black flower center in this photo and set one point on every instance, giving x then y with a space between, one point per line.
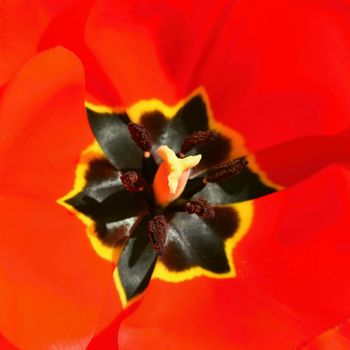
192 230
135 182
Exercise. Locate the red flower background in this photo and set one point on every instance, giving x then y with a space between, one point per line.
277 72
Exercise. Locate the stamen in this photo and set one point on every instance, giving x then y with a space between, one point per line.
222 172
132 181
196 139
201 208
157 230
141 137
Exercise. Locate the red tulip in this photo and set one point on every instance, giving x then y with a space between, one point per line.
275 73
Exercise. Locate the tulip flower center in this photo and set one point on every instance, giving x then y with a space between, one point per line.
162 183
171 178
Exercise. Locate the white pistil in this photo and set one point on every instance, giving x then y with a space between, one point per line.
172 175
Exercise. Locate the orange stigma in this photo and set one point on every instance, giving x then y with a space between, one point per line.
172 175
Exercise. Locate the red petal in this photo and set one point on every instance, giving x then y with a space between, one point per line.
292 284
299 248
268 74
125 52
108 338
44 126
336 338
279 70
210 314
292 161
53 285
22 23
5 344
68 30
149 50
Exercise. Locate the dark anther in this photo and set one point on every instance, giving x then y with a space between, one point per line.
132 181
141 136
226 170
196 139
201 208
157 230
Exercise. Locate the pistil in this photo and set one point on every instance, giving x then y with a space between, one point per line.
172 175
